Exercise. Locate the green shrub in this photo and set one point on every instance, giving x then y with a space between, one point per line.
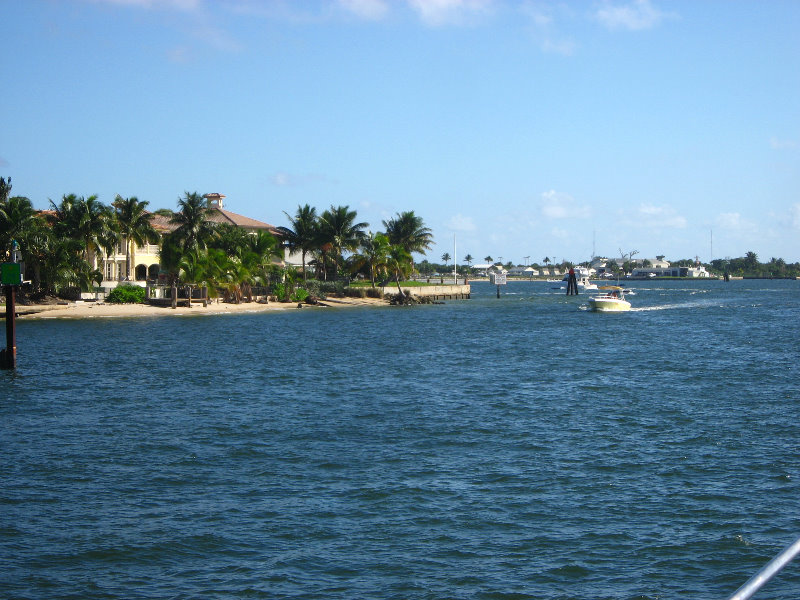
323 289
280 291
126 294
299 295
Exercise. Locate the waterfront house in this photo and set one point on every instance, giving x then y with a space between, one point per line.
146 265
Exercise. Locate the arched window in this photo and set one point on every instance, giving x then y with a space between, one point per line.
141 272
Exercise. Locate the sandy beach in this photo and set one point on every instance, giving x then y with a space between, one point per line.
90 310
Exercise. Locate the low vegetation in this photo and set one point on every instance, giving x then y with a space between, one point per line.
126 294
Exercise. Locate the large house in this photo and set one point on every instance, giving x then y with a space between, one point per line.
145 259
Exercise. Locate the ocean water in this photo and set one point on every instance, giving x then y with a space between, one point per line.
492 448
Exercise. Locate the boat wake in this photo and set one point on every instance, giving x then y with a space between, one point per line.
695 304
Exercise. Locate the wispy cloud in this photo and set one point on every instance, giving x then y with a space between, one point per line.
652 216
633 16
544 20
436 13
183 5
370 10
794 212
199 23
779 144
733 221
460 222
556 205
283 179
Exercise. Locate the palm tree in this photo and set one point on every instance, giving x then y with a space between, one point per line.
17 217
446 258
259 259
304 233
374 254
234 240
339 231
84 219
408 230
488 259
5 189
399 264
468 259
134 225
193 230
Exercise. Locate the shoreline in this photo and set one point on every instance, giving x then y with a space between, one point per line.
94 310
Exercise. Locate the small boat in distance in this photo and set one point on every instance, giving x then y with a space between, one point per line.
611 300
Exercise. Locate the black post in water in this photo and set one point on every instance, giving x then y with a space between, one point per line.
8 357
498 291
572 283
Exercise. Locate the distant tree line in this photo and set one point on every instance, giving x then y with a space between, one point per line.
749 266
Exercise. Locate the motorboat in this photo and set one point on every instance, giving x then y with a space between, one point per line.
612 299
581 278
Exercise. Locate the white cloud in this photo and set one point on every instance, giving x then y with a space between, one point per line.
283 179
729 220
371 10
449 12
560 233
794 212
634 16
660 216
778 144
735 222
543 20
460 222
185 5
562 206
564 46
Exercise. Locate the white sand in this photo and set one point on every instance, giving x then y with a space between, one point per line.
89 310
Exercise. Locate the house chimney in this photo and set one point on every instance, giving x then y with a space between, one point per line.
214 199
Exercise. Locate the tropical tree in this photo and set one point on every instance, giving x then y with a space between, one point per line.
260 259
5 189
398 262
60 265
468 259
133 223
408 230
233 240
339 232
17 217
193 230
446 258
84 219
751 261
374 254
488 259
304 232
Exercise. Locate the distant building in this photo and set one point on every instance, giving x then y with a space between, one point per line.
522 272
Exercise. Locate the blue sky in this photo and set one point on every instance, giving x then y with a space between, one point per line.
522 128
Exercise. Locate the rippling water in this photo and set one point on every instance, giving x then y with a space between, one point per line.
518 447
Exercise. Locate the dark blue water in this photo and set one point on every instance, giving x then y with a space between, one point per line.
505 448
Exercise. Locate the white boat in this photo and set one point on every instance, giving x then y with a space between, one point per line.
582 279
611 300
